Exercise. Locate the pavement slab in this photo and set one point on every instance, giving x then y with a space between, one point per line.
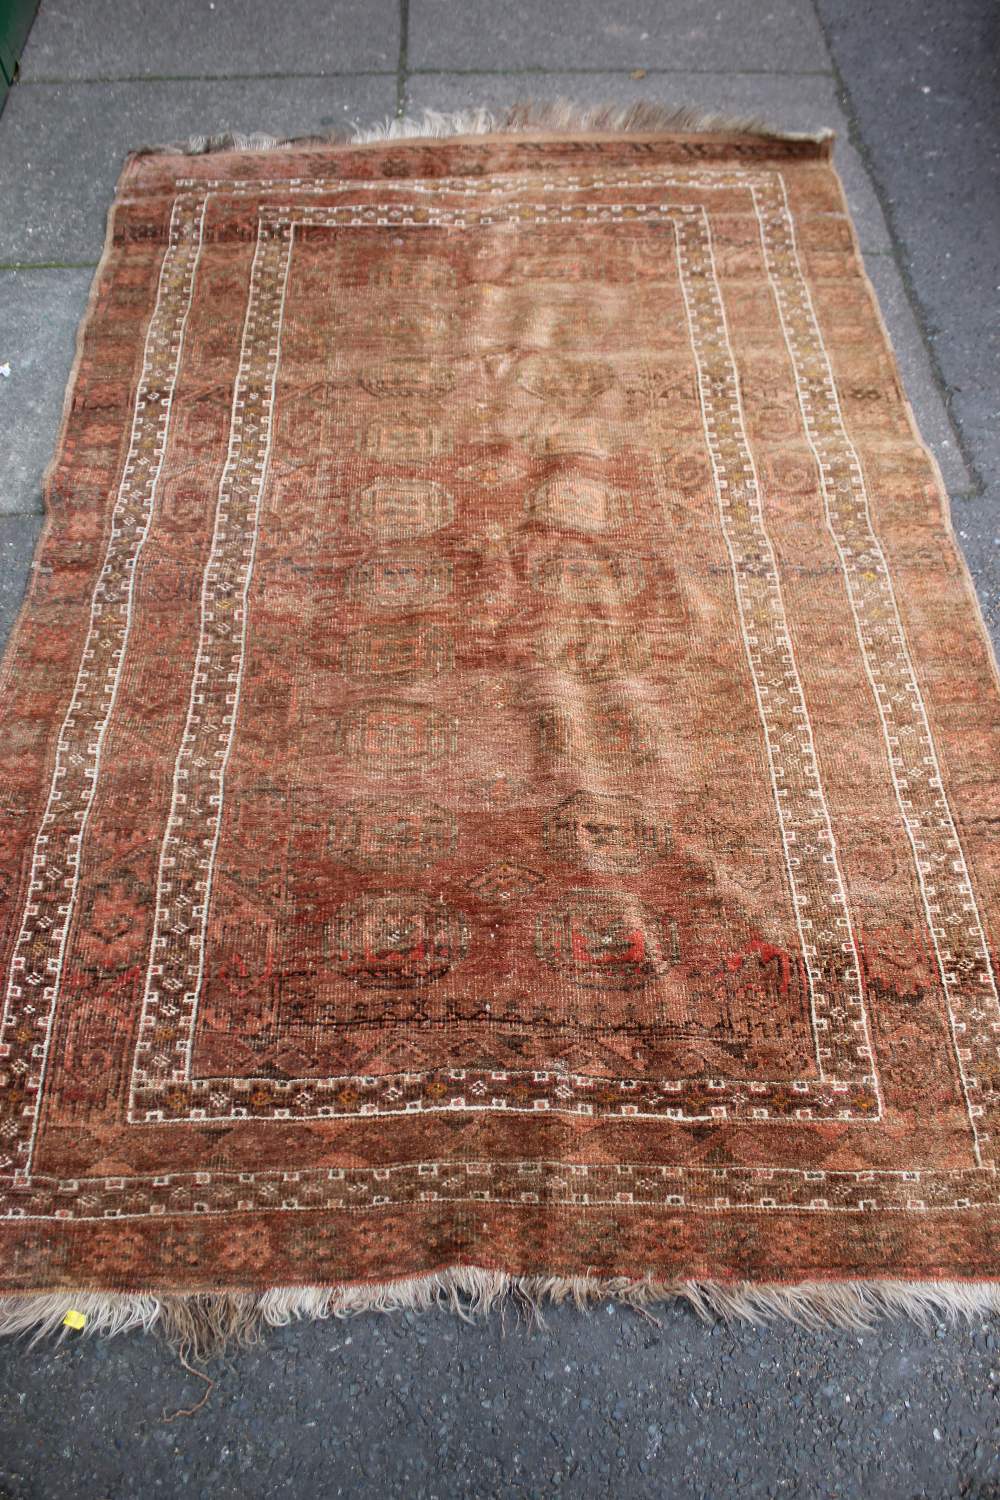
42 310
925 117
590 1406
18 536
199 38
498 34
920 381
63 144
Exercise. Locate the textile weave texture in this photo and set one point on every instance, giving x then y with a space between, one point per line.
498 754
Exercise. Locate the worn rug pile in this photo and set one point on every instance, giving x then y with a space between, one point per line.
498 764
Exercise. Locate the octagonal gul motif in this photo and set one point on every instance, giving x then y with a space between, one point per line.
580 438
409 377
605 832
412 442
429 274
605 940
576 502
401 940
614 734
392 735
400 581
398 651
417 324
402 507
595 650
492 468
388 835
565 381
583 576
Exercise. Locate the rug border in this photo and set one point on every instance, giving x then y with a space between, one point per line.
947 517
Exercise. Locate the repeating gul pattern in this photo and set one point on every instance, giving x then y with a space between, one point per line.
442 798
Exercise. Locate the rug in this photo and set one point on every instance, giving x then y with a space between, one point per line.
498 756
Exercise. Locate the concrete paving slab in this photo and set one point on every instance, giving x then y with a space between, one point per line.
475 34
63 144
192 38
18 535
936 427
788 103
42 310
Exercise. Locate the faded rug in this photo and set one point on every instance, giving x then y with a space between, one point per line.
499 754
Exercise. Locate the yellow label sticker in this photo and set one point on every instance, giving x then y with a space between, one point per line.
74 1319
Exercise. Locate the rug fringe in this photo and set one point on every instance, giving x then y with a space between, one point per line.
201 1325
565 117
556 117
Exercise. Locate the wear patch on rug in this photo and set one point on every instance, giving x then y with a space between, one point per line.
498 756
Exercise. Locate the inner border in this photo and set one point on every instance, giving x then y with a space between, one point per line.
846 1088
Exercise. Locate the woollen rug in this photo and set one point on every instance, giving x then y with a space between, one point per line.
498 766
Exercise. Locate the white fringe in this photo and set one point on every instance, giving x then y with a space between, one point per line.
558 117
202 1324
563 117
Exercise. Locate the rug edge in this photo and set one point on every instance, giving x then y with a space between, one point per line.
203 1324
555 117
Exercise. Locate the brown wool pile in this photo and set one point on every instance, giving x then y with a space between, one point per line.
498 764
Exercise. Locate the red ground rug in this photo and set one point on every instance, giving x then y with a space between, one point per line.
498 768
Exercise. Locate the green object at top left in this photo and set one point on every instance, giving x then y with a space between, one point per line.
16 17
